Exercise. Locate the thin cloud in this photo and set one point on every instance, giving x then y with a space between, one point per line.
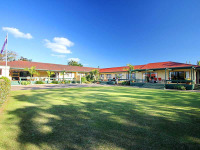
16 33
59 56
74 59
59 45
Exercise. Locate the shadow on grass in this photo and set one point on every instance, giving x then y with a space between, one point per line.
100 118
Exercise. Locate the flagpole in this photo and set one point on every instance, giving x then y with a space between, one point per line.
6 54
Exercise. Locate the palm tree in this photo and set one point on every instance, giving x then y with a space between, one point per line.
198 63
32 71
50 73
130 69
95 72
63 74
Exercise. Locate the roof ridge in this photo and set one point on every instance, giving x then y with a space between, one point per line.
47 63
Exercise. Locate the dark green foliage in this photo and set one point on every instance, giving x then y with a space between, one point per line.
5 86
177 86
54 82
39 82
25 82
107 82
74 81
90 77
126 83
181 87
67 81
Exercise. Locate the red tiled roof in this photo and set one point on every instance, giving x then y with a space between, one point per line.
58 67
159 65
46 66
168 64
119 69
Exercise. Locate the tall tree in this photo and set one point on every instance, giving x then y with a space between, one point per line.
74 63
63 74
24 59
11 56
129 69
32 71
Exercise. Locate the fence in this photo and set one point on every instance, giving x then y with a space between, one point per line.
45 80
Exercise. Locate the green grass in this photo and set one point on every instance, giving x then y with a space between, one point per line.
101 118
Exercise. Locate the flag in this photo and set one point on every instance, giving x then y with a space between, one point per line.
4 45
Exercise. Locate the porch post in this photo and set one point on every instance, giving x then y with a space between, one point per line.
146 75
150 74
191 73
165 74
135 76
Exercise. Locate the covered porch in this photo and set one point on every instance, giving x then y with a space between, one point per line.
166 77
19 75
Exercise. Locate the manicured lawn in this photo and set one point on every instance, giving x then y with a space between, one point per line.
101 118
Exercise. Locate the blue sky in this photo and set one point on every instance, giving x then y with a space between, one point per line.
102 33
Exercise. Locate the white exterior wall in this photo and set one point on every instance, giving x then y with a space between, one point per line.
5 71
67 75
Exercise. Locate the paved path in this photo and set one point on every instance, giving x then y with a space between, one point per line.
51 86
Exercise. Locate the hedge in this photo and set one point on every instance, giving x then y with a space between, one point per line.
5 86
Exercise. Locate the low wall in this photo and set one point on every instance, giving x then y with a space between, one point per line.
175 86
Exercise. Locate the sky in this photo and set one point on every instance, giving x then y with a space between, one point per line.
104 33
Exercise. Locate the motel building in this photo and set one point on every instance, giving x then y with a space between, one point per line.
156 74
152 74
15 71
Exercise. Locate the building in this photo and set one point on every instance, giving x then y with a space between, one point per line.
161 72
15 71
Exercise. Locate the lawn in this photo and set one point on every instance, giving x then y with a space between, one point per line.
100 118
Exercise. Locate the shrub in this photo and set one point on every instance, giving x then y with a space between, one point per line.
125 83
5 86
181 87
67 81
88 82
39 82
54 82
83 79
74 81
25 82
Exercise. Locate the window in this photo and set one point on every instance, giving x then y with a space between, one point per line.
69 75
133 75
177 75
102 76
108 76
0 71
187 75
120 75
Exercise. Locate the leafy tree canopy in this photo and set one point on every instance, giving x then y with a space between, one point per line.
11 55
74 63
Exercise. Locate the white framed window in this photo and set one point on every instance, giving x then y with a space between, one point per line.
133 75
68 75
102 76
187 74
108 76
120 75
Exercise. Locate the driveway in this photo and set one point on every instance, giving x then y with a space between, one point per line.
51 86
